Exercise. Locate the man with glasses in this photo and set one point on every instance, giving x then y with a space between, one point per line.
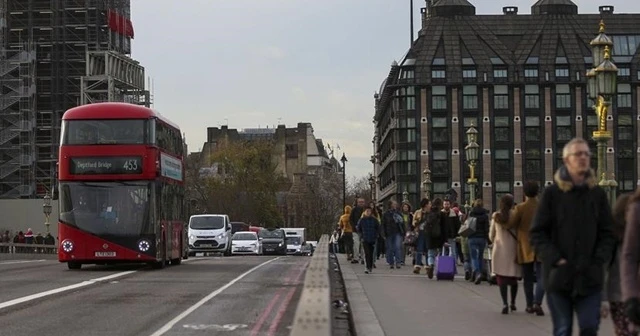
572 234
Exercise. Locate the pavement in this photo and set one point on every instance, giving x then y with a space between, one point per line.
239 295
398 302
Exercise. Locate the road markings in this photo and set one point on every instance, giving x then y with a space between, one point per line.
217 327
206 299
285 304
61 289
11 262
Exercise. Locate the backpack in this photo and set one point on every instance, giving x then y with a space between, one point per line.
433 224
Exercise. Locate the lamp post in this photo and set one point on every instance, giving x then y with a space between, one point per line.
426 183
602 85
372 185
472 150
46 210
344 179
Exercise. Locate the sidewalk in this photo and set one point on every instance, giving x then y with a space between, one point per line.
398 302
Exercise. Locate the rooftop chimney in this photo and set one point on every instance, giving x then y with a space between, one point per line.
606 9
510 10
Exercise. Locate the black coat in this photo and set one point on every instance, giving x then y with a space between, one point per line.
482 222
436 242
574 223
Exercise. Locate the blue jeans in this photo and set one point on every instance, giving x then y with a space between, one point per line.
421 248
538 294
587 310
476 253
453 249
394 249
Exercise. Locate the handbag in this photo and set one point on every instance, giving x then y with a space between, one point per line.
410 238
469 227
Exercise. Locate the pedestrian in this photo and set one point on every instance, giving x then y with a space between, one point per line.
407 216
572 233
368 228
503 254
356 214
531 268
435 232
612 300
393 230
347 232
419 226
452 226
478 240
630 260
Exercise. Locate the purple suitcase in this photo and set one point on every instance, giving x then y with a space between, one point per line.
445 267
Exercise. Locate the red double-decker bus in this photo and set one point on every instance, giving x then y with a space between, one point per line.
121 187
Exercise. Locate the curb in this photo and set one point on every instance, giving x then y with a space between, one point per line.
364 317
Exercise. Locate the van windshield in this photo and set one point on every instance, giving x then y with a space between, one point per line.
207 223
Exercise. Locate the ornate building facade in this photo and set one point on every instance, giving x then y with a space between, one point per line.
520 81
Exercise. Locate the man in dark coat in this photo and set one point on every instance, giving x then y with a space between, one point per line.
572 234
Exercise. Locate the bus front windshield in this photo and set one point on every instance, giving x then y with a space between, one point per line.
104 132
107 208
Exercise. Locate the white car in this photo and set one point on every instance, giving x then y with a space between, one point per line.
246 242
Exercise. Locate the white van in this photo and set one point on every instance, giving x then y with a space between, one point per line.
209 233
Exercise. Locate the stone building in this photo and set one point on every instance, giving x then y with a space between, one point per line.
520 80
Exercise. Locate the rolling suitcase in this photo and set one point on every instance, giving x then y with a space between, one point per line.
445 267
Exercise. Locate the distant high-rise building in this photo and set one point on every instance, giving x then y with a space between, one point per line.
54 55
520 80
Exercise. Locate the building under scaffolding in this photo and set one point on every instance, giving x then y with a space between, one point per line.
54 55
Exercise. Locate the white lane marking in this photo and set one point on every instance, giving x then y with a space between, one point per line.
60 290
207 298
11 262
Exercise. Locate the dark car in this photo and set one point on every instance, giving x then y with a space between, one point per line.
273 241
239 226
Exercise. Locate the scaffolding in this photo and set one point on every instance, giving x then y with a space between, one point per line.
50 55
113 77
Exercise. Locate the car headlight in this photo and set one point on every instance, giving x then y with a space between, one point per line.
192 237
220 236
144 245
67 245
280 245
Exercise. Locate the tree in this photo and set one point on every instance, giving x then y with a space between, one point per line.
325 202
358 187
239 179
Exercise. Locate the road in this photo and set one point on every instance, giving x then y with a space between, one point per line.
212 295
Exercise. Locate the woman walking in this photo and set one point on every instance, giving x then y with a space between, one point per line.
503 254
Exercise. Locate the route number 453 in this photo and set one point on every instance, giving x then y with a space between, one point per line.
130 165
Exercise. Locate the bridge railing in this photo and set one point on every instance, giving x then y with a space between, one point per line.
313 315
15 248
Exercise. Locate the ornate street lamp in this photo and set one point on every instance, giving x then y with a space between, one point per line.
344 179
426 183
601 87
372 185
472 151
46 210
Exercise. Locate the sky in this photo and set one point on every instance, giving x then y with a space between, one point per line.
259 63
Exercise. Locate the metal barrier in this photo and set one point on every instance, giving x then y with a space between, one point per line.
313 316
15 248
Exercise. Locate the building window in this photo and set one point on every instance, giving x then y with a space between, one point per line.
625 127
407 122
563 96
440 163
502 164
407 168
501 188
531 73
407 74
439 97
440 189
469 97
625 45
501 130
439 130
501 97
438 74
624 72
562 72
531 97
533 164
564 131
406 135
624 95
404 155
532 129
469 121
500 73
592 124
469 73
625 175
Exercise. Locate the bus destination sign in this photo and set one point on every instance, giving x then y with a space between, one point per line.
106 165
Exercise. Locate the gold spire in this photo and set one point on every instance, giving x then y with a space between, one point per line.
607 53
602 26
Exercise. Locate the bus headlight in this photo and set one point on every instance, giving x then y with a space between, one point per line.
67 245
144 245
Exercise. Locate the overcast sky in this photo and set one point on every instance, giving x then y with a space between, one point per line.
253 63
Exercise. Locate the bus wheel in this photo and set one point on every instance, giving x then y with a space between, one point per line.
74 265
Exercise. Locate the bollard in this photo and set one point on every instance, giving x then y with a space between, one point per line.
313 315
